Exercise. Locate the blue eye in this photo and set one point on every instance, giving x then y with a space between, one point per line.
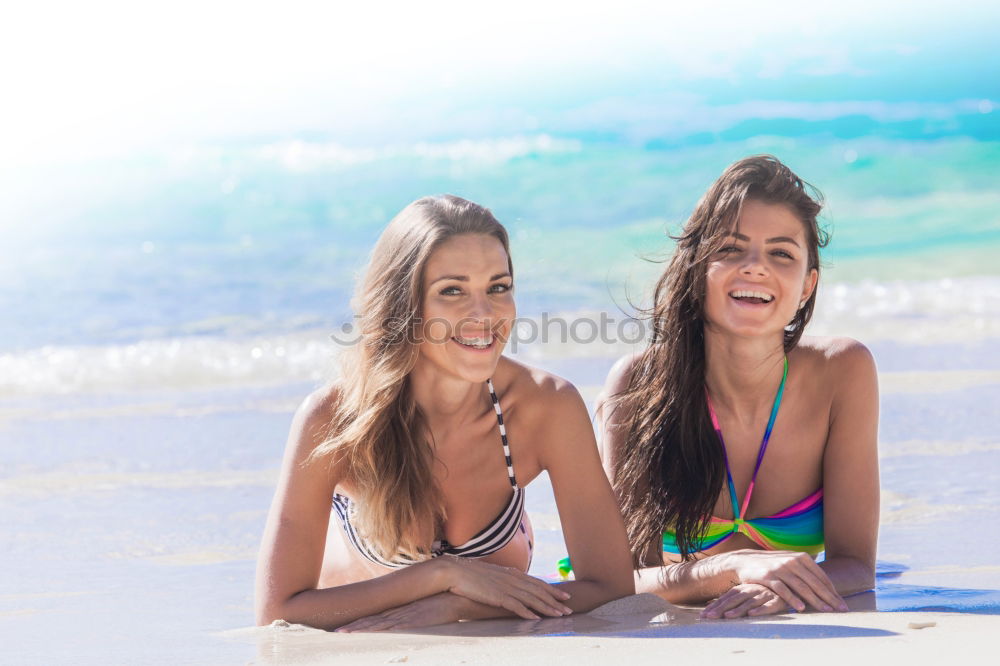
782 253
450 291
500 288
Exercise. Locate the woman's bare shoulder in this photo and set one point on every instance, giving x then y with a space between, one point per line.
621 372
836 357
312 420
319 407
529 385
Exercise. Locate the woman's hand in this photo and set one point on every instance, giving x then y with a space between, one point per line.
745 599
793 576
503 587
436 609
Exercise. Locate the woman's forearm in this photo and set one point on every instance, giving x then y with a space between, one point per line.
687 582
701 580
332 607
849 575
589 594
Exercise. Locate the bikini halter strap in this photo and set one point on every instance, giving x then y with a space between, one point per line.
740 517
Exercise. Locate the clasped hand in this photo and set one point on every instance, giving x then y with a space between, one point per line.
471 580
773 581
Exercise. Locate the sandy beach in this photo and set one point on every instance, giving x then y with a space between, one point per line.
643 629
133 548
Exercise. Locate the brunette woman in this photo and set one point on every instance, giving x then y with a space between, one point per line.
738 448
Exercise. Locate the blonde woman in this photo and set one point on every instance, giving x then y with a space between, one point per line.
401 496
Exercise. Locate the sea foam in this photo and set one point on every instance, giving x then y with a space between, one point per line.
949 311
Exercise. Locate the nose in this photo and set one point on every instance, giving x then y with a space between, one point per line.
480 308
754 265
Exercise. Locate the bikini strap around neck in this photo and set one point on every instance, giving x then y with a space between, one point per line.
503 434
740 516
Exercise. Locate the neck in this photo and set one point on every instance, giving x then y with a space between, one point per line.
742 374
443 399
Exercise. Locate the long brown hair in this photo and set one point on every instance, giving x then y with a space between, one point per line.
671 468
377 433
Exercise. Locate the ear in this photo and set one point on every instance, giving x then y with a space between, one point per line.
808 285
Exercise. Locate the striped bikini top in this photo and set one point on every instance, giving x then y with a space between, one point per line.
798 527
490 539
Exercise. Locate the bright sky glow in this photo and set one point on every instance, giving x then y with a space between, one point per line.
85 79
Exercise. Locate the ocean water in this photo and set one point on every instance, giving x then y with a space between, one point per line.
235 264
166 308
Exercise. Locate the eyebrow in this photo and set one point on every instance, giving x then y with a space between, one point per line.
776 239
465 278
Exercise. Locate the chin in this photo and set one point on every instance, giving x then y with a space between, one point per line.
475 372
475 376
748 329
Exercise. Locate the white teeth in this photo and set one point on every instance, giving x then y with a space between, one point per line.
479 343
743 293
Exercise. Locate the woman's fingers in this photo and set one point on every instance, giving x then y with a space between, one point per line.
775 605
384 620
745 599
748 599
544 594
388 620
538 603
786 595
805 592
518 608
817 579
363 624
711 610
727 601
753 602
548 593
357 625
499 586
810 582
802 580
531 603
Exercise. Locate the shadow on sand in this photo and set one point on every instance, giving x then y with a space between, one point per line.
648 616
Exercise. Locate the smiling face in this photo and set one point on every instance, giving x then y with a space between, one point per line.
468 306
757 280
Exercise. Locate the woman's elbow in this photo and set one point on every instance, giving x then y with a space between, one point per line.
271 607
604 589
853 574
267 612
624 585
617 587
865 573
867 578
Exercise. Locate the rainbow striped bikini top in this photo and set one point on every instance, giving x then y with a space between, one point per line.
798 527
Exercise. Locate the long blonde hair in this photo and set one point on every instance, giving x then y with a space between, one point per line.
377 434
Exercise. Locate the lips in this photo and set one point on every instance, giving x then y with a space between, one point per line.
479 343
751 296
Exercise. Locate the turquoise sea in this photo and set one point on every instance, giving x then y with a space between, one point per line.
165 307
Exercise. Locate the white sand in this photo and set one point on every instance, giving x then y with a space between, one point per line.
643 629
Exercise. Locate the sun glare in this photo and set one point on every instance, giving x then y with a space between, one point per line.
103 78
